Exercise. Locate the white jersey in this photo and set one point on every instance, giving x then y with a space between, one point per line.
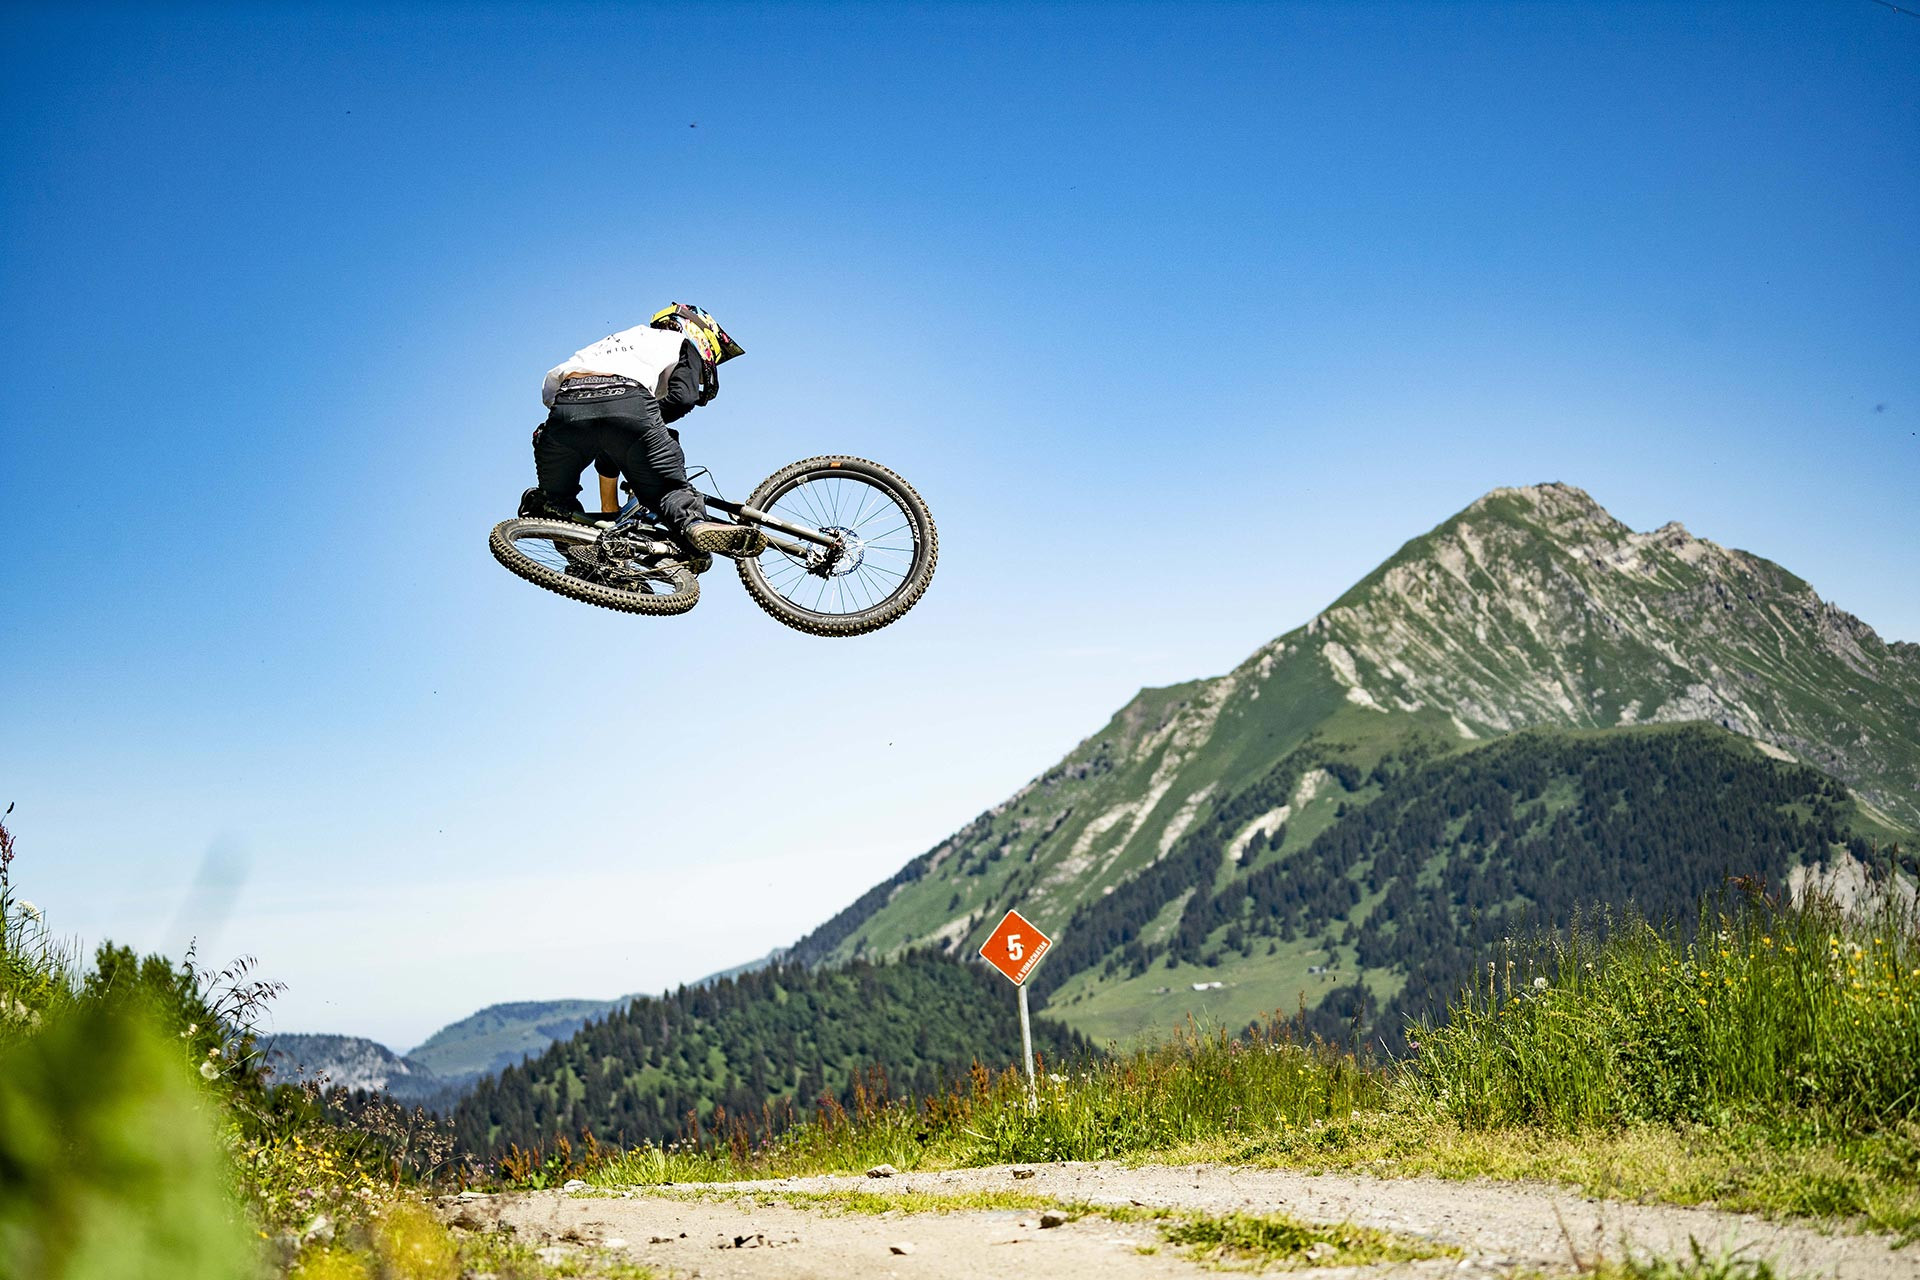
645 354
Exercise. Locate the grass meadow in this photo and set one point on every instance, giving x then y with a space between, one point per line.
1765 1056
1762 1057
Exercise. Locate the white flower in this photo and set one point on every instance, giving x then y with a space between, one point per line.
1539 984
192 1027
28 910
208 1071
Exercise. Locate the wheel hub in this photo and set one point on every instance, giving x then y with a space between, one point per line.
851 553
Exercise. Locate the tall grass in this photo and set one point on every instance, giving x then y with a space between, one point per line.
1800 1021
39 974
1199 1085
1803 1017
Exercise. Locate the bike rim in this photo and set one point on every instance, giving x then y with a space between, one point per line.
548 549
884 540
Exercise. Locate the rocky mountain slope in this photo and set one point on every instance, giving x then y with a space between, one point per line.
352 1062
1532 608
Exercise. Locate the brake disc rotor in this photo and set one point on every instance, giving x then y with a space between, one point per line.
853 551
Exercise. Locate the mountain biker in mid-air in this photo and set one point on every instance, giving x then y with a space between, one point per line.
611 403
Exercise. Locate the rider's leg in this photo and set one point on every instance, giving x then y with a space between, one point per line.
650 457
562 448
657 470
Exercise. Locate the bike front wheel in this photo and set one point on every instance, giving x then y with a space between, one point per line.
566 558
887 547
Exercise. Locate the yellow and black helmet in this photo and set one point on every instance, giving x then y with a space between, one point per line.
701 329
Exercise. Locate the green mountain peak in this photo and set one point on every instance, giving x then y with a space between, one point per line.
1532 608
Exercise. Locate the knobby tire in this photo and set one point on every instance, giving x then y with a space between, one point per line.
685 587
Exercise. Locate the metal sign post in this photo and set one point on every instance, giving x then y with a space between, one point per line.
1026 1048
1014 947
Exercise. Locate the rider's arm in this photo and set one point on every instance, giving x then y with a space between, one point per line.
683 385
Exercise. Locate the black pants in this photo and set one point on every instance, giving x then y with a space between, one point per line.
626 429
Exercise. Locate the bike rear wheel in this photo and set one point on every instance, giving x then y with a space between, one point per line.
537 550
889 547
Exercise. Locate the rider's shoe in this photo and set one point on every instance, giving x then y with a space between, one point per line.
540 505
726 539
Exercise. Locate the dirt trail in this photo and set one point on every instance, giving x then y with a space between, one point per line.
749 1233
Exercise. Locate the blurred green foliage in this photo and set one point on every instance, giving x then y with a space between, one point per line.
110 1164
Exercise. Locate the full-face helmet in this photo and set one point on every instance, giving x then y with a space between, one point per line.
699 328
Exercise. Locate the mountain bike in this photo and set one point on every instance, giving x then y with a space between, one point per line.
845 547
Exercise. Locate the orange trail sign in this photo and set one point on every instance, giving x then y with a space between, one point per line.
1014 947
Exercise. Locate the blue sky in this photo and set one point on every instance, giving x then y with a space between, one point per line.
1182 318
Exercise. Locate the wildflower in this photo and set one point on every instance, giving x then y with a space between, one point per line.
208 1071
1539 984
28 910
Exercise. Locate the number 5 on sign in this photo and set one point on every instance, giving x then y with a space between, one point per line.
1014 947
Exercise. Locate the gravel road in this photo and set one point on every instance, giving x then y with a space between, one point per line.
1500 1226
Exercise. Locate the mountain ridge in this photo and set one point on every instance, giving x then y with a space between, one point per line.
1532 607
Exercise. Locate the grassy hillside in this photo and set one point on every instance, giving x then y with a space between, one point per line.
502 1035
1425 859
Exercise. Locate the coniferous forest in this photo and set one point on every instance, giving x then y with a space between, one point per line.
1432 860
743 1047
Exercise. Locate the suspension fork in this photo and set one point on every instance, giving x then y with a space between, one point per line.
753 515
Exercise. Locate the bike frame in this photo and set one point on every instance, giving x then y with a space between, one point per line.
630 517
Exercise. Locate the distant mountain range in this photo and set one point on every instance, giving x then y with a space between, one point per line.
446 1065
352 1062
